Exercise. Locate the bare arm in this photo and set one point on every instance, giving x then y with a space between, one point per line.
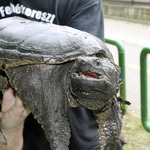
13 114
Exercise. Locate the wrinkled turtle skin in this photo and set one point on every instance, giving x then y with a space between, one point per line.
55 67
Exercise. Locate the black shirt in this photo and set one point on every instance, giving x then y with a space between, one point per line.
84 15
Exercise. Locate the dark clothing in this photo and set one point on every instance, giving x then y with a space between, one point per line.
84 15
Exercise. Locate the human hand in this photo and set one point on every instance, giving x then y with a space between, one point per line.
13 114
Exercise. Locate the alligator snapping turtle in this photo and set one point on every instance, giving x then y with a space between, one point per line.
54 67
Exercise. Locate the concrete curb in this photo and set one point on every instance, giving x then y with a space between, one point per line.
129 20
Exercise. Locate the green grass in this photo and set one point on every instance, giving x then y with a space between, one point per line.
136 137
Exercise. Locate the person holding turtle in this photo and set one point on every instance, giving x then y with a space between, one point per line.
85 15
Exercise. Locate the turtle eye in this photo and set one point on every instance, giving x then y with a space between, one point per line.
97 62
100 55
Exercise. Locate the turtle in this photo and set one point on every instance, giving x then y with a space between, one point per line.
54 67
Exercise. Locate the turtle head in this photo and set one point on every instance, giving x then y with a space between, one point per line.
94 80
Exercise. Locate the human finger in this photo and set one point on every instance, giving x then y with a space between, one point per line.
8 99
19 107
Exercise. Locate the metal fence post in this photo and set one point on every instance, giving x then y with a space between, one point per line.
144 95
121 56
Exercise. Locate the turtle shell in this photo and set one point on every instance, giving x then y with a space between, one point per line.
24 41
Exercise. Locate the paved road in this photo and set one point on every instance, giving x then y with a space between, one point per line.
134 36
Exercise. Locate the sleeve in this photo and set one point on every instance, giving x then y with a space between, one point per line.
88 16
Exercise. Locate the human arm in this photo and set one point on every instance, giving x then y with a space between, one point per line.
88 16
13 114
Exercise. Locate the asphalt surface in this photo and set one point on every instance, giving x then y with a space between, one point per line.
135 37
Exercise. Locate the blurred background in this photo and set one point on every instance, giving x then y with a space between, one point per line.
128 21
127 9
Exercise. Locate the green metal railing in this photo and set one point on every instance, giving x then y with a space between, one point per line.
121 58
144 94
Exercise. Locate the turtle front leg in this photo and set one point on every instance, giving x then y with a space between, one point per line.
109 120
41 88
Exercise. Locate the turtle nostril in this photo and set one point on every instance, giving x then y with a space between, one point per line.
83 61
